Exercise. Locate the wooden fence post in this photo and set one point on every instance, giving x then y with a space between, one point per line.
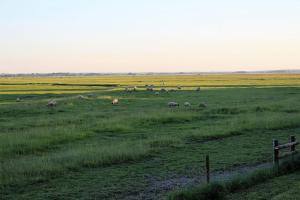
291 145
293 139
276 152
207 169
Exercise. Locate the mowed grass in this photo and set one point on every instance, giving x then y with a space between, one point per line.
43 147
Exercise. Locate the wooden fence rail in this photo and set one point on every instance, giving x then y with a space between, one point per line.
277 147
276 154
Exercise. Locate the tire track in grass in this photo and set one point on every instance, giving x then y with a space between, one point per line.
159 188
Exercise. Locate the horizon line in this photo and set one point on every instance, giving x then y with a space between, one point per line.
158 72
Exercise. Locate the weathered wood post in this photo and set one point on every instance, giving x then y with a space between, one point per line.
276 153
293 139
207 169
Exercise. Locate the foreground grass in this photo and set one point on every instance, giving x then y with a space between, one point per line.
38 168
283 187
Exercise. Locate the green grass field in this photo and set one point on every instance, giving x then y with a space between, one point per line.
139 149
285 187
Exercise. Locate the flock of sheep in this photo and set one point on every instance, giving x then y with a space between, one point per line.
53 103
186 104
151 88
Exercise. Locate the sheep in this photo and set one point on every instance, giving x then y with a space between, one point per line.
18 100
202 105
127 89
187 104
130 89
115 101
150 89
81 97
173 104
51 103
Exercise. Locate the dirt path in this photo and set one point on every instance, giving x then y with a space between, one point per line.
158 189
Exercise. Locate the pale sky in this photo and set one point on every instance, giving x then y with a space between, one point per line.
148 35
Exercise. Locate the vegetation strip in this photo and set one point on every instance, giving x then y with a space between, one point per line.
219 190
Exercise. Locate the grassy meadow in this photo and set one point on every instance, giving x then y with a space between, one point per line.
87 148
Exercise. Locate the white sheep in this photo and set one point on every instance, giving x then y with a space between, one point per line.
115 101
187 104
51 103
173 104
18 100
150 87
81 97
127 89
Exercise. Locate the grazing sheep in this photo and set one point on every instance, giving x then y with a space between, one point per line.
150 89
18 100
127 89
51 103
115 101
81 97
187 104
202 105
173 104
198 89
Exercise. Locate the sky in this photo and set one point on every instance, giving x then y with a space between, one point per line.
42 36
